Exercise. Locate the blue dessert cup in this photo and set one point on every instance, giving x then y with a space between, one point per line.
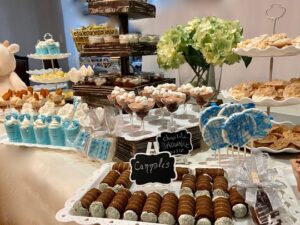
41 131
56 132
26 129
53 48
71 129
12 128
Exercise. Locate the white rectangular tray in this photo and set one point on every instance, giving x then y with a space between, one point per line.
4 140
64 214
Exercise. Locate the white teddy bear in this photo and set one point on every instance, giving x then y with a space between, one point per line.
8 78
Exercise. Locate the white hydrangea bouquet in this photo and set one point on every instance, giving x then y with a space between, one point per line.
202 43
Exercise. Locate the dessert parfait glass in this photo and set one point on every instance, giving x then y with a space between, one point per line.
172 104
124 103
202 96
186 89
112 98
142 109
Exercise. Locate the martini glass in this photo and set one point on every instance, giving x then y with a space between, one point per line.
172 104
113 100
141 111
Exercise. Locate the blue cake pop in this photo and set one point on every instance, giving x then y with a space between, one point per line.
208 113
230 109
239 129
262 120
212 133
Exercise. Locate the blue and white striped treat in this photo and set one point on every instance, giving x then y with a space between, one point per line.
249 105
212 133
230 109
239 129
262 120
208 113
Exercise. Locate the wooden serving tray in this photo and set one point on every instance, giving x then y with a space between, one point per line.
126 150
130 8
117 49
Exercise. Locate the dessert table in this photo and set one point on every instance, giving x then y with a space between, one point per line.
35 183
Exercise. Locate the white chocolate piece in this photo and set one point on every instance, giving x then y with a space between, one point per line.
103 186
166 218
78 210
186 220
148 217
219 193
224 221
112 213
202 193
97 209
186 191
203 221
130 215
117 188
240 210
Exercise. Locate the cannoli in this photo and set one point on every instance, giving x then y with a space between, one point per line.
135 205
168 209
204 210
98 207
109 180
186 210
222 212
181 171
188 185
213 172
117 206
220 188
238 204
203 183
123 181
81 208
121 166
151 208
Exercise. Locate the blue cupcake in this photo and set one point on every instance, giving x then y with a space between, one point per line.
71 129
41 48
41 130
53 48
56 132
26 129
12 128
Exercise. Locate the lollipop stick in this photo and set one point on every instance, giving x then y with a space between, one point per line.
216 154
232 150
219 156
239 149
245 152
227 152
251 146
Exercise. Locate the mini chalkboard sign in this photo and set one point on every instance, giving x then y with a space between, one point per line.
153 168
176 143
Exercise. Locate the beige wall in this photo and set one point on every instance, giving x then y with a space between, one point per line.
251 13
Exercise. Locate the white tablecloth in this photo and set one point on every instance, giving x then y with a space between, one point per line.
35 183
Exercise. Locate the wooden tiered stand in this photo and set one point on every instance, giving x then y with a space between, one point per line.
124 10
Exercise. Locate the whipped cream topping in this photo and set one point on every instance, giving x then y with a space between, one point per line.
27 106
39 123
11 121
149 89
48 109
26 122
143 100
202 90
65 112
54 124
185 87
167 86
117 91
